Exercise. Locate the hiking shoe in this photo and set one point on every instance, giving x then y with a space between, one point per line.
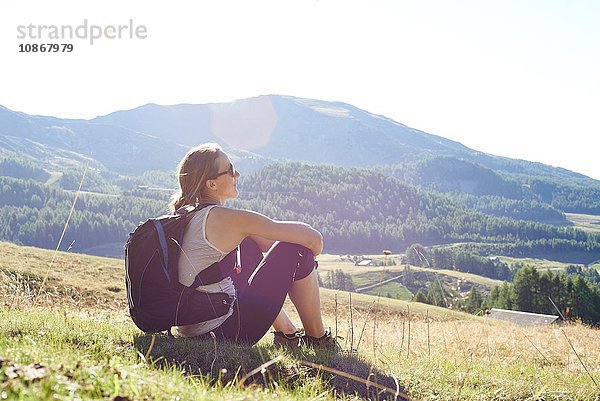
326 342
291 341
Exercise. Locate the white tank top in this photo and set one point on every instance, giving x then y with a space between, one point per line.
197 254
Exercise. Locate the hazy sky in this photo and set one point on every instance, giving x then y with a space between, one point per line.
513 78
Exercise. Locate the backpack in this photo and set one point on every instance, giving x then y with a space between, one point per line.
157 300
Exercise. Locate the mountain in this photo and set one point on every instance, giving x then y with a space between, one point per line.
65 142
267 129
285 127
261 129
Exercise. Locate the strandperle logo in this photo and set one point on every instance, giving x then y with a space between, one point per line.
87 31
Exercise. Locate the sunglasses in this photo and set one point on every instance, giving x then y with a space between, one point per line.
231 171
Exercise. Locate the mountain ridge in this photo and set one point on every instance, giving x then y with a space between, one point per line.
266 127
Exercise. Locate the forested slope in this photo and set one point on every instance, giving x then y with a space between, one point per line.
357 210
357 206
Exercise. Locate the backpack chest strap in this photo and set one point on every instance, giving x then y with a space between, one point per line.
217 271
212 274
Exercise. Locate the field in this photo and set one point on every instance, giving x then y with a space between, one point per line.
585 222
332 262
391 280
75 341
540 264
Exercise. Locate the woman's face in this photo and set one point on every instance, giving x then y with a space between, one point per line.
225 181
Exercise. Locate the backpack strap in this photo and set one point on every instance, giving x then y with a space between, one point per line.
185 209
185 212
213 273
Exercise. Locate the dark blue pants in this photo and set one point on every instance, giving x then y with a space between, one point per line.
262 287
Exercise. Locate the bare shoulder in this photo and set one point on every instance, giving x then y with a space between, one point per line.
235 215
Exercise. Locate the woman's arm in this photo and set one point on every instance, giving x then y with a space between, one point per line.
264 244
226 228
285 231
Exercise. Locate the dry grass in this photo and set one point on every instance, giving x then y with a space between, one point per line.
490 342
74 280
468 355
585 222
542 264
455 334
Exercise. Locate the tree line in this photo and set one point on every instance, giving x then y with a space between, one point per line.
531 291
336 279
458 259
523 193
35 214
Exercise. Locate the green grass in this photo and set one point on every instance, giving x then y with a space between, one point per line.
391 290
369 277
54 355
366 304
400 283
78 343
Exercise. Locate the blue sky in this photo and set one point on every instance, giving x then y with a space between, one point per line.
513 78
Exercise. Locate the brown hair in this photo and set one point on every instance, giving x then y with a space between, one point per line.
193 171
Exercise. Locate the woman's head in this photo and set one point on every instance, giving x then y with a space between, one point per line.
205 175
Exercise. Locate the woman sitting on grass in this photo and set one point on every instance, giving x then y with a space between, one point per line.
261 283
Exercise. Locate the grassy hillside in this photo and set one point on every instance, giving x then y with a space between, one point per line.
83 281
77 342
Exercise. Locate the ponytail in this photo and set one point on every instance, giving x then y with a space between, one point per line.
177 201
